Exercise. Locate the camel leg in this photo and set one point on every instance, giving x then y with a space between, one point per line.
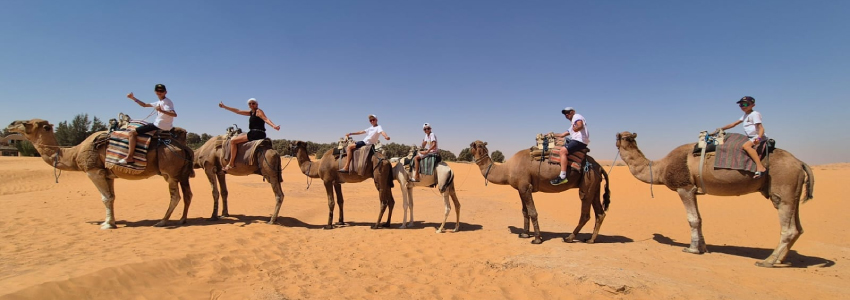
451 191
211 176
405 202
689 199
106 187
381 214
223 183
329 186
175 198
446 211
524 234
790 229
278 194
187 198
340 201
583 218
600 216
387 196
532 213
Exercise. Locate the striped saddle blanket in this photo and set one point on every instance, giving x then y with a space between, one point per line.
119 142
731 154
576 159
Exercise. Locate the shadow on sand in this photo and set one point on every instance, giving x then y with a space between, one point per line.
243 220
581 237
793 260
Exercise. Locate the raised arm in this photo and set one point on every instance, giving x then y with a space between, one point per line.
139 102
731 125
262 115
236 111
384 133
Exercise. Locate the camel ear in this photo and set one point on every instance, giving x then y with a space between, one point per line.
618 136
634 135
47 127
485 143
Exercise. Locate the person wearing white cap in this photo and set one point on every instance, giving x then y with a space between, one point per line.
371 138
579 138
429 143
257 121
165 115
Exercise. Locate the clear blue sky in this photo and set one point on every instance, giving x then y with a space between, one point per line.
498 71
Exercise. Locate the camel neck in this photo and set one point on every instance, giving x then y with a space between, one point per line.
52 154
492 172
306 165
640 166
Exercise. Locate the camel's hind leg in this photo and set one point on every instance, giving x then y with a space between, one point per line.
689 199
446 211
175 198
223 184
211 176
187 199
329 189
406 203
278 196
106 187
340 201
583 218
790 228
451 191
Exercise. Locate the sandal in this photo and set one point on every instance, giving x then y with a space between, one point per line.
226 168
759 174
342 171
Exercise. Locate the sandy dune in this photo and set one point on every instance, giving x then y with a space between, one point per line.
51 246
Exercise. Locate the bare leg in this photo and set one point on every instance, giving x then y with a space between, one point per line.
751 151
416 165
131 149
348 151
234 147
689 199
563 153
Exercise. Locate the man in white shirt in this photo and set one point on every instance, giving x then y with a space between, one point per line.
371 138
430 145
579 138
164 119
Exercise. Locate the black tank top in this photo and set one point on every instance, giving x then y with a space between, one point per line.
255 122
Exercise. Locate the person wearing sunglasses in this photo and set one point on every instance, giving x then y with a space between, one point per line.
372 135
165 115
257 121
579 138
429 143
753 128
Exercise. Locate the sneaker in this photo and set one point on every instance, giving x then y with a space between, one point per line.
558 181
123 161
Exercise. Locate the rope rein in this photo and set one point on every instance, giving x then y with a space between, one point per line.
650 180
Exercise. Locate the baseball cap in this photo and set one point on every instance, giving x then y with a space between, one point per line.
159 88
426 125
747 99
373 117
567 109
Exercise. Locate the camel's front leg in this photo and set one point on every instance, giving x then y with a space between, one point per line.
278 196
451 191
340 201
525 220
187 198
405 202
790 228
106 187
329 187
223 183
532 214
689 199
211 177
175 198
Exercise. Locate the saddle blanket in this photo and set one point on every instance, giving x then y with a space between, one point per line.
428 164
245 152
119 142
359 161
575 158
730 155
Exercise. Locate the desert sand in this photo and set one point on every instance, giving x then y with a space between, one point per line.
52 247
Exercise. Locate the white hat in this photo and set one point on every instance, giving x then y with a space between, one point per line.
252 100
567 109
373 117
426 125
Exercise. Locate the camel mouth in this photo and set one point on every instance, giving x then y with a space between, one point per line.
16 126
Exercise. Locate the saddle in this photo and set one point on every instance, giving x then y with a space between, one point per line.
543 152
712 142
245 152
361 160
119 143
427 164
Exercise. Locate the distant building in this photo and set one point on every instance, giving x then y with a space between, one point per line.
8 144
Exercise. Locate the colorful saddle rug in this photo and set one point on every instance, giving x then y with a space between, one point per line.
245 152
360 161
428 164
730 155
119 143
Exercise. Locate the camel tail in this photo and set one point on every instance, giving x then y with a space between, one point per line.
606 197
449 182
810 183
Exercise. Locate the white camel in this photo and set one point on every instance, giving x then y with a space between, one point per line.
443 179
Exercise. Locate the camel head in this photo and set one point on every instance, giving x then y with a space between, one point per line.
478 149
32 129
296 145
626 140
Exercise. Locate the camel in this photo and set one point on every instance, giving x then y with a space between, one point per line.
208 157
528 176
443 179
327 169
173 162
679 169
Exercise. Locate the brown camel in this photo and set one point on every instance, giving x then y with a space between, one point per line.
528 176
679 169
327 170
208 157
172 161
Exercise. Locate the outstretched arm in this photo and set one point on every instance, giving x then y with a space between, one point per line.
236 111
731 125
355 133
139 102
262 115
384 133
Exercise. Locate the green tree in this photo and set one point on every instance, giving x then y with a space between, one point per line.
97 125
396 150
205 137
63 134
447 155
497 156
79 128
26 148
465 155
193 140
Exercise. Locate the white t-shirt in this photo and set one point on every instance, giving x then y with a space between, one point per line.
429 140
581 135
372 134
750 120
163 121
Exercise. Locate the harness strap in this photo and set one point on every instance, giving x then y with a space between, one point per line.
699 175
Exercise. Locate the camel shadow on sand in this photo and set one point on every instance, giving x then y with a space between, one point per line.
419 225
580 238
794 259
242 220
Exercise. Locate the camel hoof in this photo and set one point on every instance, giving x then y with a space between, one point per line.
569 240
106 226
764 264
402 226
212 219
537 241
159 224
184 221
456 229
375 227
225 214
270 222
387 225
440 230
341 224
691 251
589 241
328 227
524 235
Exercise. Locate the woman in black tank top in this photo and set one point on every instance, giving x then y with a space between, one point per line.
257 121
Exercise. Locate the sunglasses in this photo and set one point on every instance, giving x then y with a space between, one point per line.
426 128
370 120
743 104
